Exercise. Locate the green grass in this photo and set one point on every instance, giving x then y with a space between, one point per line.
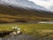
31 29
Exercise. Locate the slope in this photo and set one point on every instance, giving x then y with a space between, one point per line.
10 14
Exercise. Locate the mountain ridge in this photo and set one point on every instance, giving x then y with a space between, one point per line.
9 14
23 3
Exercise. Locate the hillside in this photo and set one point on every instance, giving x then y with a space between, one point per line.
10 14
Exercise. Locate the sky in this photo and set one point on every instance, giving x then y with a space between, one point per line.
48 4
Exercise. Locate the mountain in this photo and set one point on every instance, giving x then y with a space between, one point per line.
10 13
23 3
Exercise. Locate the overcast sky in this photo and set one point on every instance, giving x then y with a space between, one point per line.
45 3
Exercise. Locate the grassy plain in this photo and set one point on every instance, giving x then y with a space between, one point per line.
31 29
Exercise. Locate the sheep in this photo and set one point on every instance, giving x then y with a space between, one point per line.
16 30
13 33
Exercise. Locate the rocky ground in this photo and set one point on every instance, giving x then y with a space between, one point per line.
25 37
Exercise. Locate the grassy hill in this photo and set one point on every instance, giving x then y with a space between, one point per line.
10 14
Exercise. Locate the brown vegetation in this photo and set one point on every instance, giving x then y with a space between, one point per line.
10 14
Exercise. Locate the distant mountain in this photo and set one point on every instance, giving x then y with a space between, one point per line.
10 13
23 3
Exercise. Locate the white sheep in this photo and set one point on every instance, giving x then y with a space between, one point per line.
16 27
13 33
16 30
12 27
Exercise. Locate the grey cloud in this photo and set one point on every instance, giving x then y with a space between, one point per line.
45 0
51 8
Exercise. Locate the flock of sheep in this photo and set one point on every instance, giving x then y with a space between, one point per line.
16 30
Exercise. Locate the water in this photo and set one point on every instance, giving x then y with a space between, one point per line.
47 22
